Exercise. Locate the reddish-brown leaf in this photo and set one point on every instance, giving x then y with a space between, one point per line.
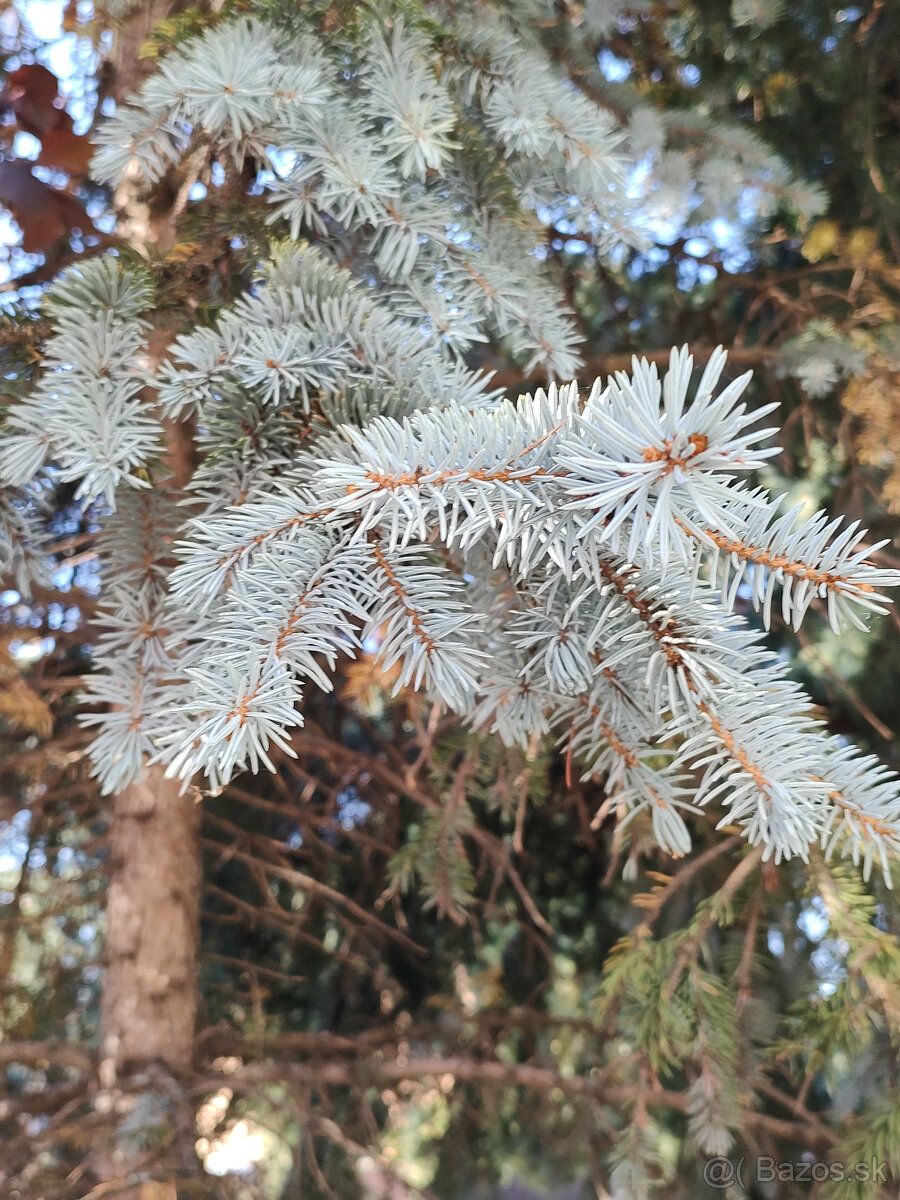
39 82
32 93
70 21
65 150
43 214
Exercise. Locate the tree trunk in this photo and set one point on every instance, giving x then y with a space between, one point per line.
149 1000
152 914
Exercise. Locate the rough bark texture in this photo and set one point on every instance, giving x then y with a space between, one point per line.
125 67
150 982
149 1002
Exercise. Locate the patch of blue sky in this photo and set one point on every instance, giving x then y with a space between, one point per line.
698 247
828 960
729 237
63 576
43 17
281 161
352 809
830 955
14 842
26 145
33 649
16 261
813 920
615 69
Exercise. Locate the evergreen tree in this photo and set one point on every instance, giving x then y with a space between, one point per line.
330 549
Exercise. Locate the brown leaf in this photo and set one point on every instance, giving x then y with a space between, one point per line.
23 709
40 83
32 94
152 1189
43 214
65 150
70 21
365 681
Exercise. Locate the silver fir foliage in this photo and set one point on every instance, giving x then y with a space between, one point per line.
563 565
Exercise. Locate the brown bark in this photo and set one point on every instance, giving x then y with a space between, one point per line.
149 1001
149 988
126 68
